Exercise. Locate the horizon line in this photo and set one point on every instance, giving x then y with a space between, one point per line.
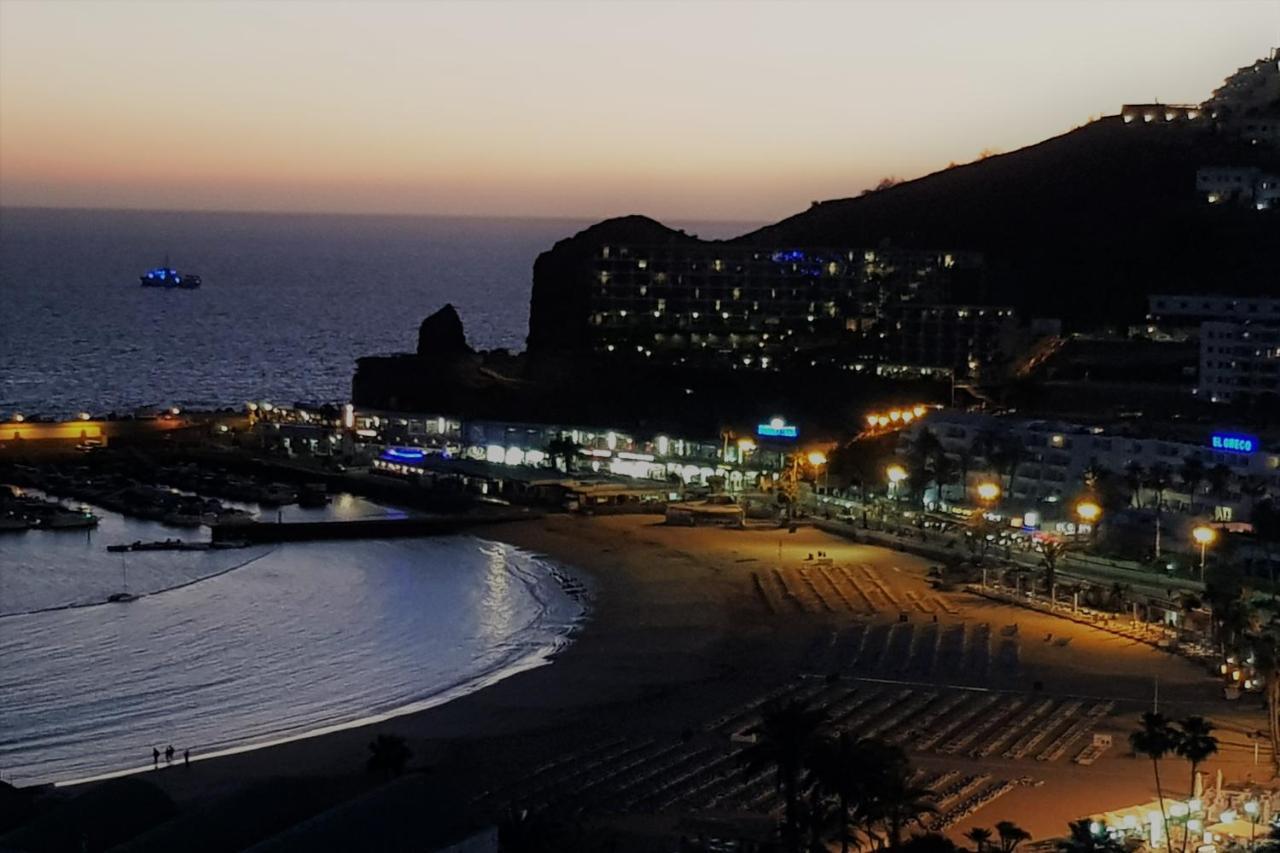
379 214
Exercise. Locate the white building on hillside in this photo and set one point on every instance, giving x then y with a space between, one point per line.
1239 359
1054 456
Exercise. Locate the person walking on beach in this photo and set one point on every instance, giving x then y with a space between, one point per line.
168 754
186 757
155 758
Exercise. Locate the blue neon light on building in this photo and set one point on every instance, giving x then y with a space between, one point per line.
777 428
403 454
1233 442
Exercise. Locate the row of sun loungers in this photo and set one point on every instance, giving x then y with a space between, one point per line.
709 771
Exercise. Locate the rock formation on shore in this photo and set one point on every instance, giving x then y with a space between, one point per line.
441 336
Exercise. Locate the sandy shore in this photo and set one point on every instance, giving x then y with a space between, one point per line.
690 625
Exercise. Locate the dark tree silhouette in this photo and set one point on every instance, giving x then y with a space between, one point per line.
788 735
1155 738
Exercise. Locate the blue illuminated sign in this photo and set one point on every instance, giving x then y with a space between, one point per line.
1233 442
403 454
777 428
790 256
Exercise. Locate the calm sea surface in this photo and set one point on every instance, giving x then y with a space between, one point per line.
228 650
288 303
231 649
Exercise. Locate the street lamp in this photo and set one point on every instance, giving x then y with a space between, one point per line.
1251 809
817 459
896 474
1089 512
1205 536
988 492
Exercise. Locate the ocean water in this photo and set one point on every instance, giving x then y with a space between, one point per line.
288 303
300 639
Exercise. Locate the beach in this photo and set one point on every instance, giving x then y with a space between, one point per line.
683 639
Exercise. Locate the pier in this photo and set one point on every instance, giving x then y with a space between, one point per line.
364 528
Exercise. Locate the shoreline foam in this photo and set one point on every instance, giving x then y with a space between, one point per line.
541 579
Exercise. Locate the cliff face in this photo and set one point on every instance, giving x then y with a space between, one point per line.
559 303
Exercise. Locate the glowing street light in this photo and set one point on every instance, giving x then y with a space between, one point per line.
896 474
872 420
918 411
988 492
84 416
817 457
18 417
1088 511
1205 536
1251 809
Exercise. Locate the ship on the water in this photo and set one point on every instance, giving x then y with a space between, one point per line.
167 277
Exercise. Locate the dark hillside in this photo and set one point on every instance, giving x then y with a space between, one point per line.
1081 226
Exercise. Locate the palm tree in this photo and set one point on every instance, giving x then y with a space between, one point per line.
964 462
1011 835
1158 480
1007 455
1220 478
921 462
945 472
1230 615
1254 488
980 836
841 768
388 755
898 804
1266 661
1155 738
1093 476
1083 840
1195 744
1050 552
1192 475
1117 598
1134 476
787 736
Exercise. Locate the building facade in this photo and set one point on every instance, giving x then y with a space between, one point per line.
1239 360
764 308
1054 457
1188 311
738 462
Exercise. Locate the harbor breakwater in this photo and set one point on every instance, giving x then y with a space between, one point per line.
363 528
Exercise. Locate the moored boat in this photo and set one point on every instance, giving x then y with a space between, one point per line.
167 277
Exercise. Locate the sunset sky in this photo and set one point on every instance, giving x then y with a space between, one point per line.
717 110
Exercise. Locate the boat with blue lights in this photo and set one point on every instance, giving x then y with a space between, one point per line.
167 277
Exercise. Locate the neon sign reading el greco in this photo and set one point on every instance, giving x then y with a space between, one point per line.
1233 442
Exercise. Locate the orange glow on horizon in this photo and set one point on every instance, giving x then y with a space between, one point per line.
696 110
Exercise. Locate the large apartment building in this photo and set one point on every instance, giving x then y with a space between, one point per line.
1239 360
1239 340
760 308
1055 455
